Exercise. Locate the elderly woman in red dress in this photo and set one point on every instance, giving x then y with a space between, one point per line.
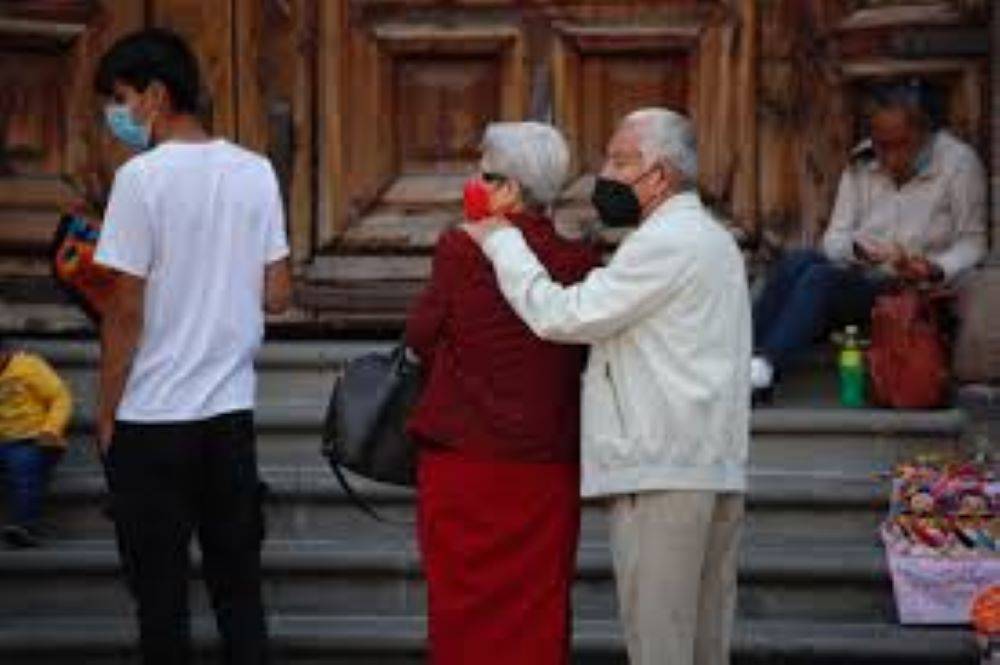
498 426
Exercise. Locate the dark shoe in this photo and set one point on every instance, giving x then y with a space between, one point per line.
20 537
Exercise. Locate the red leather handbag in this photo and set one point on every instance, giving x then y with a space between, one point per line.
908 356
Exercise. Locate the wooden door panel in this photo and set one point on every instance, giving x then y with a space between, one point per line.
444 84
413 97
614 85
444 105
35 86
412 90
32 106
604 72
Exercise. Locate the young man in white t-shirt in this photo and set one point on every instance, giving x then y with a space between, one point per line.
195 232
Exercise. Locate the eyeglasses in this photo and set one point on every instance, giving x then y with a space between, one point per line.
493 178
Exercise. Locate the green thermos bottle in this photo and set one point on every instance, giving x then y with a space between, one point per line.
851 364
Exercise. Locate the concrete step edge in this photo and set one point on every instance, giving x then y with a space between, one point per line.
303 417
287 484
306 354
875 422
307 416
392 635
761 561
313 355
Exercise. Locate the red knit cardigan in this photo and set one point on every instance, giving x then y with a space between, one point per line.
494 389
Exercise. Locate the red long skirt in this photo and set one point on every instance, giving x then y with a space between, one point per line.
499 549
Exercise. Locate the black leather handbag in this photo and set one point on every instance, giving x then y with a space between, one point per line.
365 427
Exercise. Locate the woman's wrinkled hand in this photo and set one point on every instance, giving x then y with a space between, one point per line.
483 229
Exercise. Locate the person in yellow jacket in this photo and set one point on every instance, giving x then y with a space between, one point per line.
35 407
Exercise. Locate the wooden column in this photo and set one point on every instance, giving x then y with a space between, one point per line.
274 65
302 187
335 49
745 192
725 109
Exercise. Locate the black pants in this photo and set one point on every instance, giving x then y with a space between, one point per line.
167 481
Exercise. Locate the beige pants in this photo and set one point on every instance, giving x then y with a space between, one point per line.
675 558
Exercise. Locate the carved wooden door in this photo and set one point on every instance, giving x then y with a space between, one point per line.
406 89
39 135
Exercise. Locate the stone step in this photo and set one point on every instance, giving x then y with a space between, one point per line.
809 485
307 369
74 355
379 640
345 589
295 379
778 579
799 439
308 503
851 442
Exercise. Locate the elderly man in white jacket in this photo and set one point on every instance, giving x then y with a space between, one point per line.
665 394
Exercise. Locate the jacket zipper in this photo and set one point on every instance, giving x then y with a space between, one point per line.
614 398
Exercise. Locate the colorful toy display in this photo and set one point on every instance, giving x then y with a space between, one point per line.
942 538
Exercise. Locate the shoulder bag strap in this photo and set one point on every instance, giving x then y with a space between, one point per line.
359 501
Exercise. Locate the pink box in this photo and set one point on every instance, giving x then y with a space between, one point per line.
934 588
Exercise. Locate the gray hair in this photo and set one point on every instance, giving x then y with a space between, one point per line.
532 153
667 135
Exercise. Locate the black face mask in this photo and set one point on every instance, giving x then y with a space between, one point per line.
616 201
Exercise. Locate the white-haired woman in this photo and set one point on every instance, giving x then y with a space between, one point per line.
498 426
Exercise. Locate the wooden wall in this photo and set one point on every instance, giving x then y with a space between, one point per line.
816 56
371 110
257 62
449 69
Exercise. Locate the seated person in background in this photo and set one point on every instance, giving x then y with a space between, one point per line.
911 205
35 407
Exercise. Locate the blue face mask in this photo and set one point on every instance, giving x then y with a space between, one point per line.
123 126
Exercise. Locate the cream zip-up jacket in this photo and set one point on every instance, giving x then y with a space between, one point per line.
666 391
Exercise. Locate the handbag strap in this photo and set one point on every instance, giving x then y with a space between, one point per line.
362 503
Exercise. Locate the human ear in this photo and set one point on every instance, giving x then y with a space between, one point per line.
156 98
670 177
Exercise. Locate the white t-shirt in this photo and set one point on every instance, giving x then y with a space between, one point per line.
199 222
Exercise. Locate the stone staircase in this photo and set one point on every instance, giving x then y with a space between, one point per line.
342 588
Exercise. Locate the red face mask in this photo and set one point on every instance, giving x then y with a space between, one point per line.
476 200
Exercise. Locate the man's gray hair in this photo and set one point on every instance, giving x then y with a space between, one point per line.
667 135
532 153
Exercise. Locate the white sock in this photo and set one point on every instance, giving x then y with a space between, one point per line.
761 373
